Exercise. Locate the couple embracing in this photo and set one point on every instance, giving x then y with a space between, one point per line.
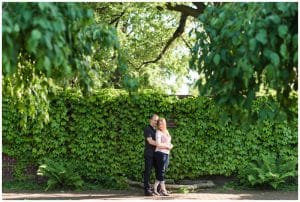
156 154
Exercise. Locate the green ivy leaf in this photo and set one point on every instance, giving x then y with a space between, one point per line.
282 30
284 51
261 36
47 65
217 59
275 59
252 44
33 41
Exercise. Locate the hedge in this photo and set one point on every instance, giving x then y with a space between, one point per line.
103 134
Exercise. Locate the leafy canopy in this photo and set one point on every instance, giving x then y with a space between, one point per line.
58 38
46 45
243 51
143 31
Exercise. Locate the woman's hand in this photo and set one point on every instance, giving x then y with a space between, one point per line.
170 146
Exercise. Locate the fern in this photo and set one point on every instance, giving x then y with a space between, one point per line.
268 170
60 174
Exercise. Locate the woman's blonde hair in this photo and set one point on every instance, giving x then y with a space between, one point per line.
162 120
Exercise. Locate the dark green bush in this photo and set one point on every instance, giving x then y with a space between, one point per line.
103 132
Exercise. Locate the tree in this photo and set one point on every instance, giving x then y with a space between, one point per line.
143 30
46 45
57 37
240 52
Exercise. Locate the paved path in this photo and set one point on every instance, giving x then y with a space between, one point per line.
130 195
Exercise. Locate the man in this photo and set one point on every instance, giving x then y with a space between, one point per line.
149 134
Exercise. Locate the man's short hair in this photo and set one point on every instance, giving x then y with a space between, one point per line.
153 115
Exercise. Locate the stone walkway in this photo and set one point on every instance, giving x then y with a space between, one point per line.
138 195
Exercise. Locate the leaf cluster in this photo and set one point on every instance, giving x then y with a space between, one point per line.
242 52
58 38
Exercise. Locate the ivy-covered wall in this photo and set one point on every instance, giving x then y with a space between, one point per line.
103 134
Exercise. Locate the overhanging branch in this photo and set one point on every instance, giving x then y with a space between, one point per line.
185 12
116 20
186 43
177 33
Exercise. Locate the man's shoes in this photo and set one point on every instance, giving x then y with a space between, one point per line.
149 193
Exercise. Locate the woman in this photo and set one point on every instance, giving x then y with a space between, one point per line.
163 147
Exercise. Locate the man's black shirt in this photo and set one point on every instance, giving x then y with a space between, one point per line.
149 131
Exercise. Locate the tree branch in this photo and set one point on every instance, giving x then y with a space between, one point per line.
200 6
189 11
117 18
185 12
186 43
177 33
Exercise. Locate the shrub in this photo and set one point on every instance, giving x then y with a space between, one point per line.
103 132
61 174
268 170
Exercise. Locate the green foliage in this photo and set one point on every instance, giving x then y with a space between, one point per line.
111 182
19 171
82 44
56 37
103 133
60 174
20 185
241 52
46 45
143 31
269 170
26 83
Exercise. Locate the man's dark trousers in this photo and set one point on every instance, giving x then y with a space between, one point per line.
149 163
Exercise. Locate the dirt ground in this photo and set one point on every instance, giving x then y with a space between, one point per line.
137 194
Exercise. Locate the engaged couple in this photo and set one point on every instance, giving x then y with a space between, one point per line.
156 154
